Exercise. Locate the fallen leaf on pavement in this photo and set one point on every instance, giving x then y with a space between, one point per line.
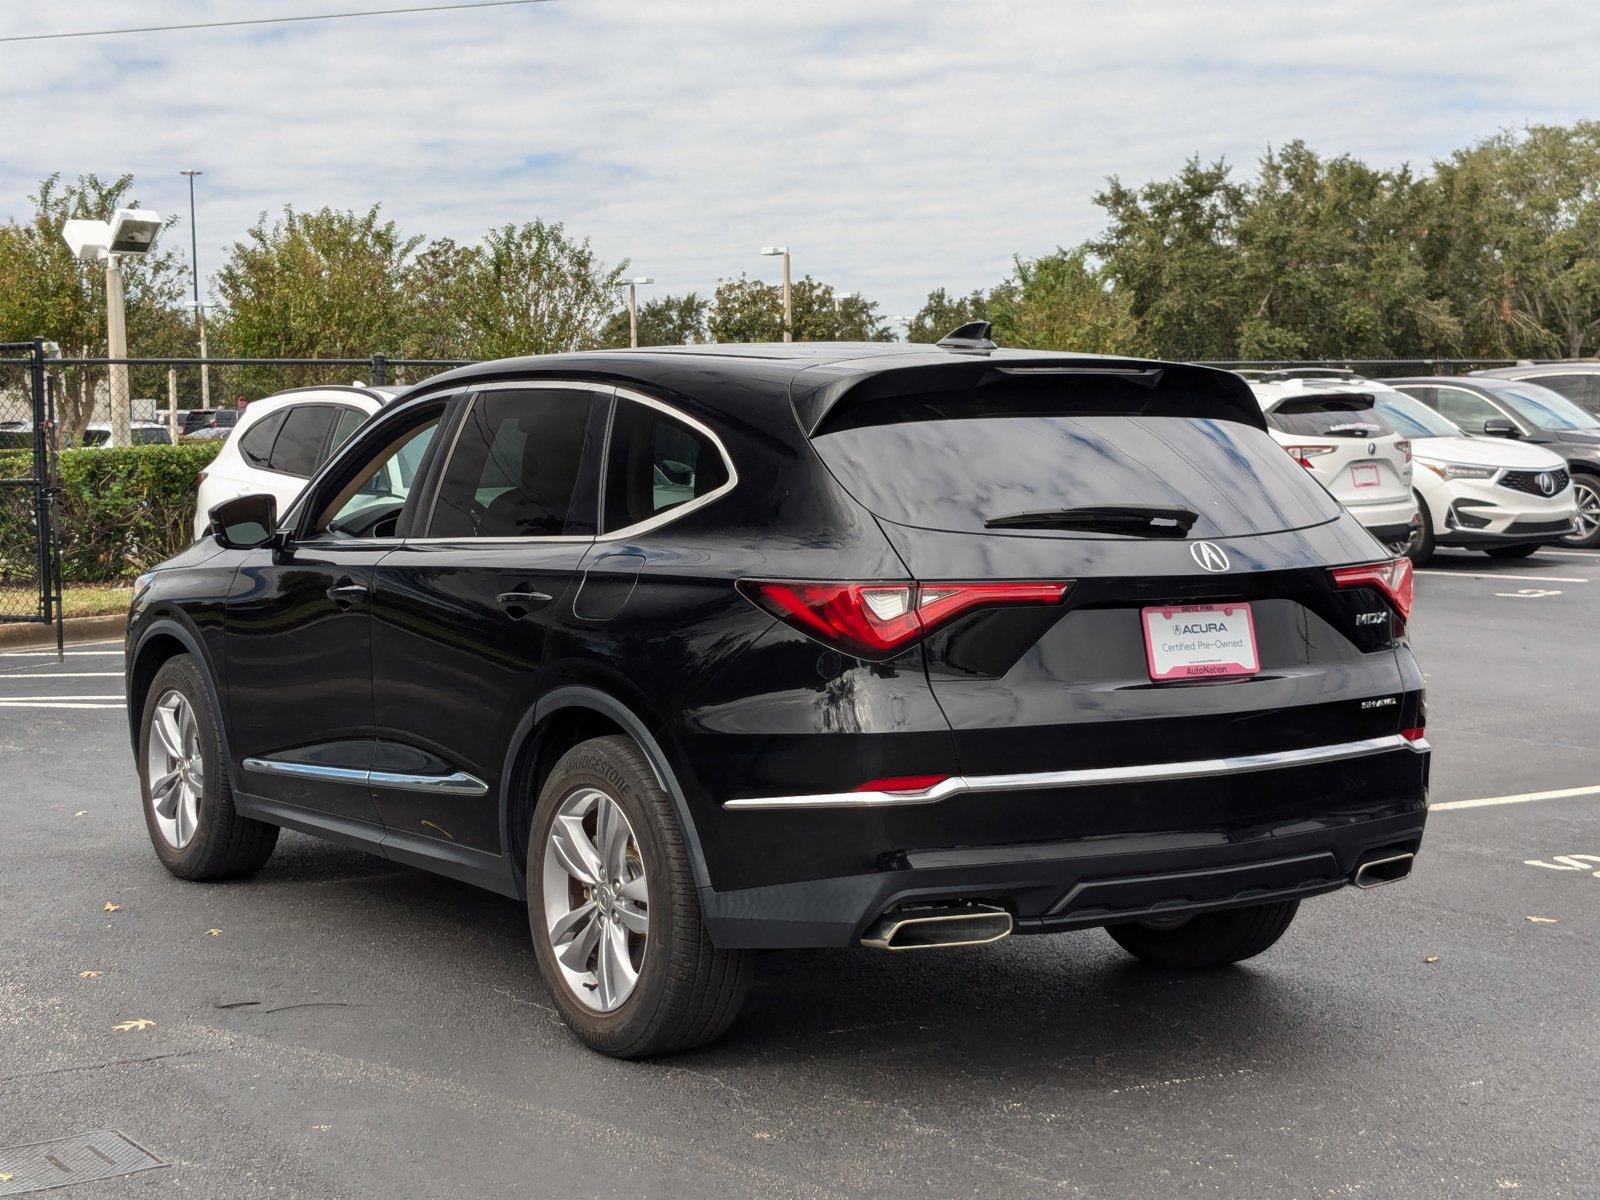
213 933
1544 920
1431 958
82 812
110 907
136 1023
88 974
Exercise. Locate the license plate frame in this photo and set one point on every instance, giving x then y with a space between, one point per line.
1365 475
1203 653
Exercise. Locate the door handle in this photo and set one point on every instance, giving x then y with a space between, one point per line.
520 604
346 594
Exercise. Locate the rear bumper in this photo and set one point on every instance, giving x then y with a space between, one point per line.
1105 878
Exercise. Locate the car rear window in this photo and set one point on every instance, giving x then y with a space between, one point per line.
958 473
1329 416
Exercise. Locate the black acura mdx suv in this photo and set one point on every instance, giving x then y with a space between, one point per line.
709 650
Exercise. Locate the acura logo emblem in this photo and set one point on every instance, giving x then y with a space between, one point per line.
1208 557
1372 447
1547 483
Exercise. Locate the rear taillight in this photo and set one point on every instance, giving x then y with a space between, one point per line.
1392 578
1404 447
875 620
1304 454
1414 734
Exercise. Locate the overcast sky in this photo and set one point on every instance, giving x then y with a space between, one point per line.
895 146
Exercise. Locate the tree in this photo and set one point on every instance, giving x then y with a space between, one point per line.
1171 249
941 313
1062 302
525 289
1328 263
1514 238
748 310
663 321
46 292
324 284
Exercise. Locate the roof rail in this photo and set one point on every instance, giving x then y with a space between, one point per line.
972 338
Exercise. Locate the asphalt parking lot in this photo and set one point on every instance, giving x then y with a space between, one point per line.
340 1026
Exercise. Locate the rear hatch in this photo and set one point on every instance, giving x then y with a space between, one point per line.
1345 443
1182 527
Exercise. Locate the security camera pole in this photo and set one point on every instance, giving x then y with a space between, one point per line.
633 307
199 309
788 307
131 231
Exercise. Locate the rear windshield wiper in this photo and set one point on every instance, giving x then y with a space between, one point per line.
1138 520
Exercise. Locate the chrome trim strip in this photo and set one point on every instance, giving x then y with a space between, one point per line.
457 783
1090 777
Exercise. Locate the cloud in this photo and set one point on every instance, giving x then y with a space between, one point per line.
896 146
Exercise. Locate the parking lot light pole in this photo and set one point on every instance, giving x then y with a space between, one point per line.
788 305
199 309
116 348
633 307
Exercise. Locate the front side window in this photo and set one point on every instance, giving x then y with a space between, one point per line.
1466 409
656 463
298 449
370 503
513 471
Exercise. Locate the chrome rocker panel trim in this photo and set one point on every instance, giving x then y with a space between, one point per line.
457 783
1090 777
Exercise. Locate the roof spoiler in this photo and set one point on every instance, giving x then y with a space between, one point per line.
1169 388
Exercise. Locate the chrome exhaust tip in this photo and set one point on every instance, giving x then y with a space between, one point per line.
1375 872
939 927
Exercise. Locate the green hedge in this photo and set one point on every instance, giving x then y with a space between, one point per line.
121 510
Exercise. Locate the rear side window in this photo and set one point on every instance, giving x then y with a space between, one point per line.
514 469
298 449
959 474
350 420
656 463
255 445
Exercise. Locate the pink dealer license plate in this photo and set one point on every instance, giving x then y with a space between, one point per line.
1200 641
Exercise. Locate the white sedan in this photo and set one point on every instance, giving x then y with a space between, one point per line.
281 440
1503 497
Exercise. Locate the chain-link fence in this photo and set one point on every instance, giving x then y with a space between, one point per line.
1371 368
28 584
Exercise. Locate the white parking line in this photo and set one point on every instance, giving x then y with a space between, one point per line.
54 704
1503 575
1524 798
52 653
46 699
60 675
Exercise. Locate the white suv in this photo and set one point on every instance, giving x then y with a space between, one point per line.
1331 428
281 440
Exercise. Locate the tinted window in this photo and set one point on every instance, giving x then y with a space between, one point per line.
1577 388
956 474
370 503
1545 408
1467 409
350 420
256 443
656 463
298 449
514 469
1329 416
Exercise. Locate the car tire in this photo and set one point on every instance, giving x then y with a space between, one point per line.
183 780
677 990
1208 940
1420 549
1512 551
1587 489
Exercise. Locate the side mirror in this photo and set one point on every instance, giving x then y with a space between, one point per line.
1500 427
245 522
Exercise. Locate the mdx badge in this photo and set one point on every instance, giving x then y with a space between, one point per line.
1372 618
1208 556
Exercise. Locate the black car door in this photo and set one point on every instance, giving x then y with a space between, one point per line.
460 609
298 637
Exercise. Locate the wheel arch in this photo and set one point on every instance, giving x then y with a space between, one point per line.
561 719
157 643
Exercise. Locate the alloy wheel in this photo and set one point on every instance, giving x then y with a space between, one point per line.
1588 521
175 768
596 899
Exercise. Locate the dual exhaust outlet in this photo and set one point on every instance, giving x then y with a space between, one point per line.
942 926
